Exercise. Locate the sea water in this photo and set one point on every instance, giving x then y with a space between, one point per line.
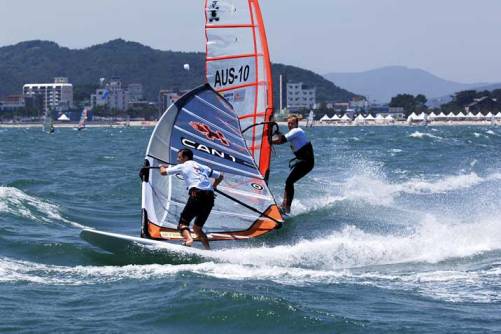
396 230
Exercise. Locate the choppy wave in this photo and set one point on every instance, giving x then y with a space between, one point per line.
376 190
431 242
16 202
346 256
421 135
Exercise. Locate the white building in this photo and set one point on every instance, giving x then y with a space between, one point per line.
359 104
135 91
300 97
12 102
166 98
111 95
55 96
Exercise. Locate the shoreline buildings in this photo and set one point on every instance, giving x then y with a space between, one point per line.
300 97
166 97
54 96
112 95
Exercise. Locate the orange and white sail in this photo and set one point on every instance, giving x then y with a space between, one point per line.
238 67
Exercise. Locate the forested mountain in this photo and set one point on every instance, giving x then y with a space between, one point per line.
41 61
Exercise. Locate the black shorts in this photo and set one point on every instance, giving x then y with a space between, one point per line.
199 205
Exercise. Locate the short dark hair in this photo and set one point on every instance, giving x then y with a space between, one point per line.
187 153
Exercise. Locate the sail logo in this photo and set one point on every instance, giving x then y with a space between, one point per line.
214 152
213 12
232 75
235 96
209 133
209 150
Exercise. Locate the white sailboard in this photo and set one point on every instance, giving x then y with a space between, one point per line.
125 244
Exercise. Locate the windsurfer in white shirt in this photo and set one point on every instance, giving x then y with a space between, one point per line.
201 191
301 165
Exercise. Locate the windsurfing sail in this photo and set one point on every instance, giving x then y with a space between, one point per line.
83 119
47 123
203 121
238 66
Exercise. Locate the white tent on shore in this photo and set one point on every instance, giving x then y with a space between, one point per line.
335 118
412 117
360 118
324 118
433 116
345 118
370 118
421 117
380 119
63 118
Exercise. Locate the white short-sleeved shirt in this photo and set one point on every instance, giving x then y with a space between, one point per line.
297 138
195 175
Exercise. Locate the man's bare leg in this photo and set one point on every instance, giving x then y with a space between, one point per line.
286 208
203 237
185 232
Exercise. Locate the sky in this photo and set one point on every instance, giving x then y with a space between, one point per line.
454 39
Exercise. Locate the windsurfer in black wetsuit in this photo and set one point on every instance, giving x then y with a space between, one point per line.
302 164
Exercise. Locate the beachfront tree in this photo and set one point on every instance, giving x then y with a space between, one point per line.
410 103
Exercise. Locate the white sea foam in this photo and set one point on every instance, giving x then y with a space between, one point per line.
431 242
421 135
346 256
376 190
16 202
305 205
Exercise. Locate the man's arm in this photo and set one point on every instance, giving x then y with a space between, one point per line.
166 170
218 180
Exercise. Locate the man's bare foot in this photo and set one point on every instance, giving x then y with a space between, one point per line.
284 210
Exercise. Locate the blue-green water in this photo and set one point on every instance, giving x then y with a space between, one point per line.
397 230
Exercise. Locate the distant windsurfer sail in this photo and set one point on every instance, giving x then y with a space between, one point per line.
83 119
204 122
48 123
238 67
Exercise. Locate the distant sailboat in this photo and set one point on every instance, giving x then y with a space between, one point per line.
83 120
311 119
47 123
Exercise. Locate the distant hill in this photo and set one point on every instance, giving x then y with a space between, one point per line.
41 61
384 83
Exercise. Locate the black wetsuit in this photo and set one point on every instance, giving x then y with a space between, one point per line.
301 165
199 205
